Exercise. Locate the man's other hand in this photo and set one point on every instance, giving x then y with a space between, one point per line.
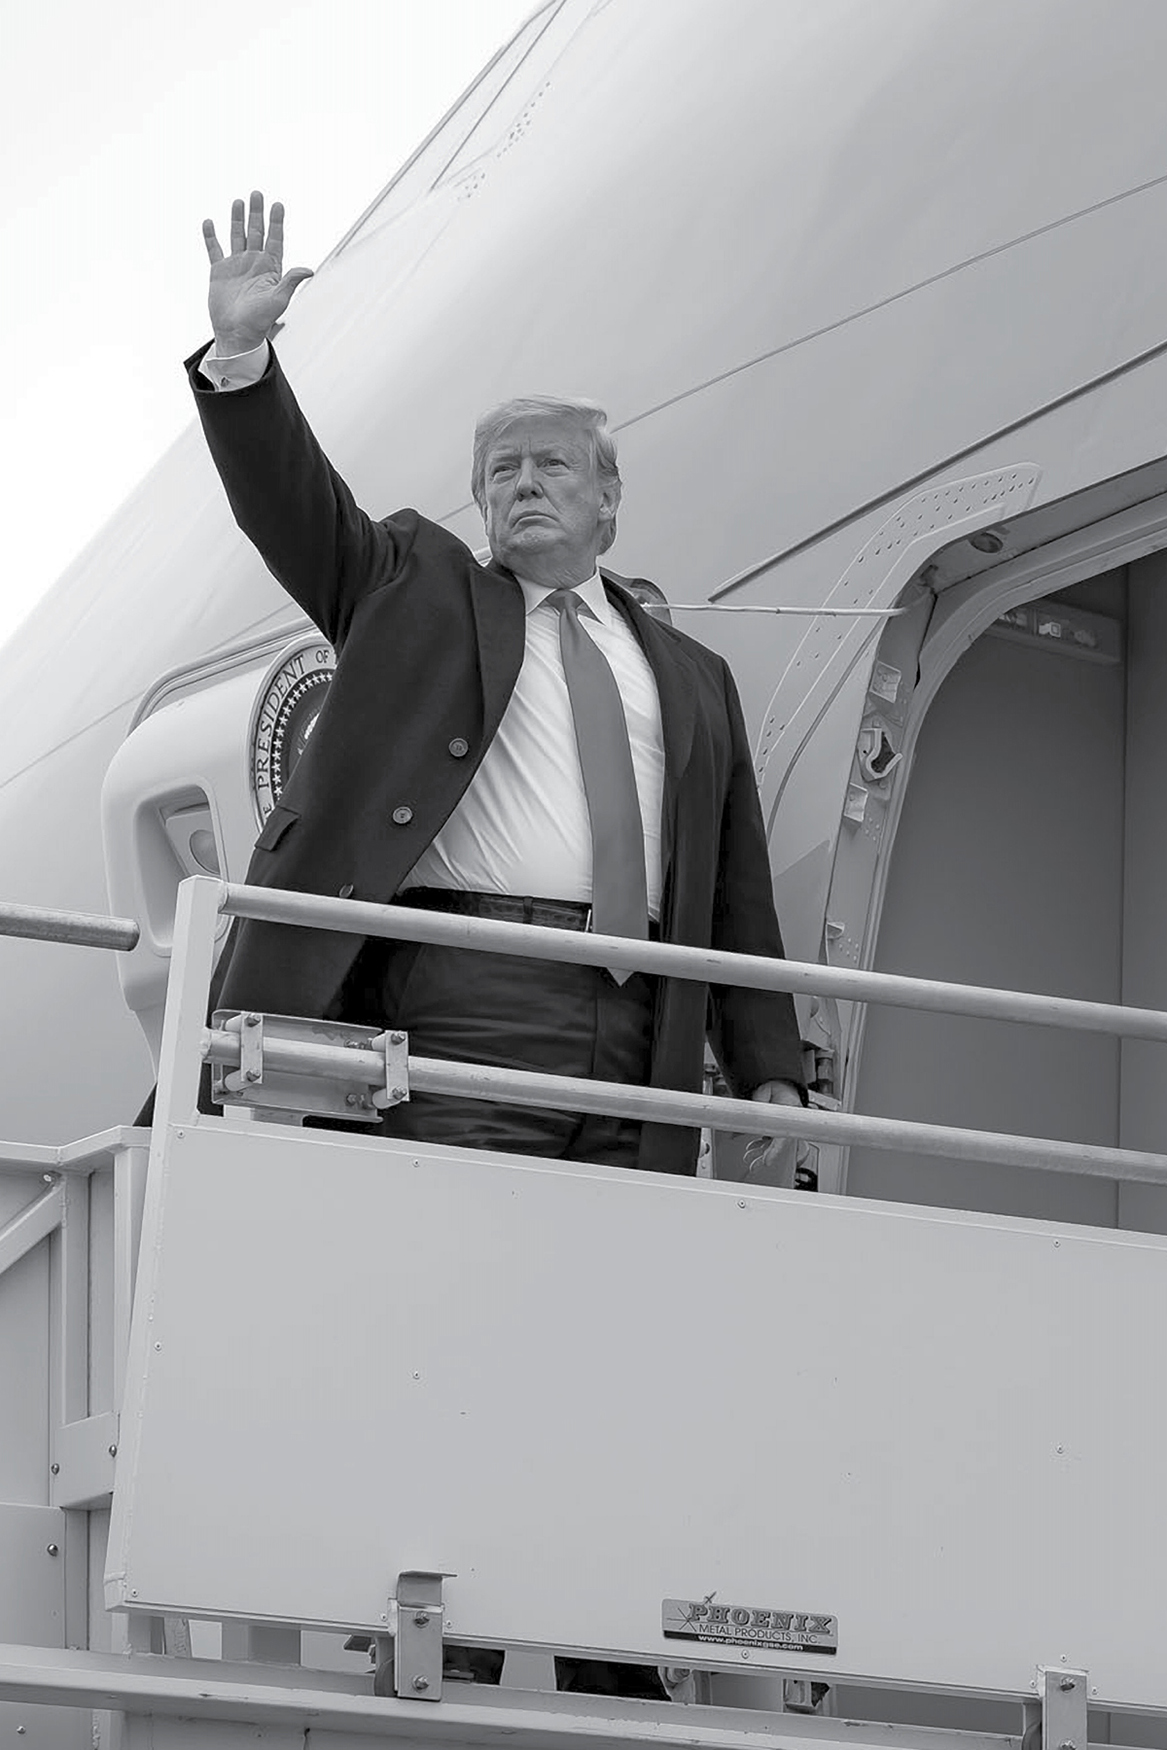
249 290
778 1094
773 1160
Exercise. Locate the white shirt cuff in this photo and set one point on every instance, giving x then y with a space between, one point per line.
237 371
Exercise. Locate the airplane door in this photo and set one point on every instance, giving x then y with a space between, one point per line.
1143 1116
1007 870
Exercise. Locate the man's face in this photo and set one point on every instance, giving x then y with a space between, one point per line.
546 511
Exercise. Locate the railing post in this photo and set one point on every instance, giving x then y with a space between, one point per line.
180 1059
129 1191
175 1105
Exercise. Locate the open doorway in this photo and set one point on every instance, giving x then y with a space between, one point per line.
1029 854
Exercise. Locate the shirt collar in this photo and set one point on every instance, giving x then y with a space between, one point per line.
592 593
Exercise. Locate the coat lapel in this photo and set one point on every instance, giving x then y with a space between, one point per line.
677 690
500 623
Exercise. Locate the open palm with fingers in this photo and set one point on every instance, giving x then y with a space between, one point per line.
249 289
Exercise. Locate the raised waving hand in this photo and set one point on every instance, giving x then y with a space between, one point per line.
249 289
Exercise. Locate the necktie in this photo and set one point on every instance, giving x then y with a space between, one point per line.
619 887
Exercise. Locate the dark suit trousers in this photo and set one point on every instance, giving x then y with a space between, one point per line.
510 1013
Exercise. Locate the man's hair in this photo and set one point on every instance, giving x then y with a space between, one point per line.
588 415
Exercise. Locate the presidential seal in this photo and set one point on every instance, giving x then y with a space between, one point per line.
285 714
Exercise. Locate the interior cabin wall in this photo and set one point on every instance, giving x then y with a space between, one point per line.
1007 870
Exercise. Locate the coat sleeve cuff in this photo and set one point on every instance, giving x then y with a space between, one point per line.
207 371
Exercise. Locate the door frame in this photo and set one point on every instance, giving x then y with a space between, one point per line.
961 613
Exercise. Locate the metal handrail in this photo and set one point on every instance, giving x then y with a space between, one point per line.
360 917
706 965
667 1106
78 928
667 959
662 1105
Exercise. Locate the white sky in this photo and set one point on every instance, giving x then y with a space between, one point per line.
121 127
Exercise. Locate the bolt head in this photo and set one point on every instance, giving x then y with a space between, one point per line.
420 1683
397 1038
251 1020
52 1549
56 1469
251 1075
398 1093
1066 1682
421 1618
351 1100
113 1451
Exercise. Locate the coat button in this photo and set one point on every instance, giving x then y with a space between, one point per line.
346 891
459 748
402 816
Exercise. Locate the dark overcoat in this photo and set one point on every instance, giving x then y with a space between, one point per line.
429 643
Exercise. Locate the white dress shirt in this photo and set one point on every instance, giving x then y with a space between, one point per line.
522 825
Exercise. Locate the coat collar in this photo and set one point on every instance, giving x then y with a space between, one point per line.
500 624
673 671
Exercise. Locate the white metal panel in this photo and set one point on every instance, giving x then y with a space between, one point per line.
44 1728
32 1574
352 1359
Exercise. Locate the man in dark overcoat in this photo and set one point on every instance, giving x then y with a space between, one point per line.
445 767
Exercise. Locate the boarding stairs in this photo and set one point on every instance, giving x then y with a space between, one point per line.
761 1439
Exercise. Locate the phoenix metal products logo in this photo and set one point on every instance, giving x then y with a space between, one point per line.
746 1625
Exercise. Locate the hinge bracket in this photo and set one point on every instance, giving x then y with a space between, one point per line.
418 1650
249 1027
1057 1719
395 1045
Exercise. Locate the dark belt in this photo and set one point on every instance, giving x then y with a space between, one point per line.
552 914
